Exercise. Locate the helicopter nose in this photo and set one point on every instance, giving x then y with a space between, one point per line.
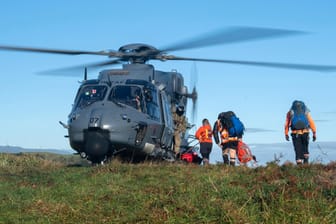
96 144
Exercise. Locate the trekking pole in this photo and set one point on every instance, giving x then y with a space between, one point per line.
320 148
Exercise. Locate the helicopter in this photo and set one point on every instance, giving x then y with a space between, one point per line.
129 111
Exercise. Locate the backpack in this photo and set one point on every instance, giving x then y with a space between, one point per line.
298 114
232 123
244 153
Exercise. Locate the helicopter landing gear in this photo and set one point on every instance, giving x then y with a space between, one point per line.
83 155
169 156
98 161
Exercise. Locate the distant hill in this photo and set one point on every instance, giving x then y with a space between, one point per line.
17 149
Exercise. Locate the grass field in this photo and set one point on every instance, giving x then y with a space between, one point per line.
50 188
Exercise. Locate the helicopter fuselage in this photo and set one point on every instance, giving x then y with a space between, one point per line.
124 111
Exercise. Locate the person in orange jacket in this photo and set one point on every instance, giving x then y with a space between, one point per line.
299 120
204 136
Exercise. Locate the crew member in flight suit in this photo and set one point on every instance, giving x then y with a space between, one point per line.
179 128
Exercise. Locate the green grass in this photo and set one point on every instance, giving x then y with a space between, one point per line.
48 188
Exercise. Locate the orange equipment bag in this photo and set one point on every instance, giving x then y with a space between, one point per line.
244 153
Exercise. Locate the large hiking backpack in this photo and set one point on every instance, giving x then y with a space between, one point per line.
244 153
298 114
232 123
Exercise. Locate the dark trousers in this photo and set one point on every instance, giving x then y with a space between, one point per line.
205 149
300 143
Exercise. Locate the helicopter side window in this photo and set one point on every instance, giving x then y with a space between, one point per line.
90 94
129 95
152 107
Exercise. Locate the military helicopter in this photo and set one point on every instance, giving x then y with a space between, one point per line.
129 110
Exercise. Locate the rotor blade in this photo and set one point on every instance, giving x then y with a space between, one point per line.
193 95
75 70
309 67
231 35
194 105
56 51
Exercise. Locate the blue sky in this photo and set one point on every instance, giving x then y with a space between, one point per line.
32 104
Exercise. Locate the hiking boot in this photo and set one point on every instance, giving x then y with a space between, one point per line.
226 159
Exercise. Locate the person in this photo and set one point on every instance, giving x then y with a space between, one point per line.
300 121
204 136
137 100
180 127
229 141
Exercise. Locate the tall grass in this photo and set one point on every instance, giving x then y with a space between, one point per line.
43 188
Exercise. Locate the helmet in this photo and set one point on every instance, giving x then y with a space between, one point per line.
180 108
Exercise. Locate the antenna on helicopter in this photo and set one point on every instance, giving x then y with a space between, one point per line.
85 73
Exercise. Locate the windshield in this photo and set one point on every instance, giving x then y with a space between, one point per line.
129 95
91 94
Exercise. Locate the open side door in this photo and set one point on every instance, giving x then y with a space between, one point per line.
167 120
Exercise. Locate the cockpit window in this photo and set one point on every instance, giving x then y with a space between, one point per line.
142 99
129 95
91 94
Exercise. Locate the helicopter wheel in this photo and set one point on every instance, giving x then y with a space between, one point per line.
98 161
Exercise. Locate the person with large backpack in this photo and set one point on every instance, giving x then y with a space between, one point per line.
204 136
299 120
231 131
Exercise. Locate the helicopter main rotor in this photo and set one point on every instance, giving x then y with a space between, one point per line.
141 53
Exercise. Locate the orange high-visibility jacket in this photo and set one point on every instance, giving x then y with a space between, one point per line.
204 134
306 130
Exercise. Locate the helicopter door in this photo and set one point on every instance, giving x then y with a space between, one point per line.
168 126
